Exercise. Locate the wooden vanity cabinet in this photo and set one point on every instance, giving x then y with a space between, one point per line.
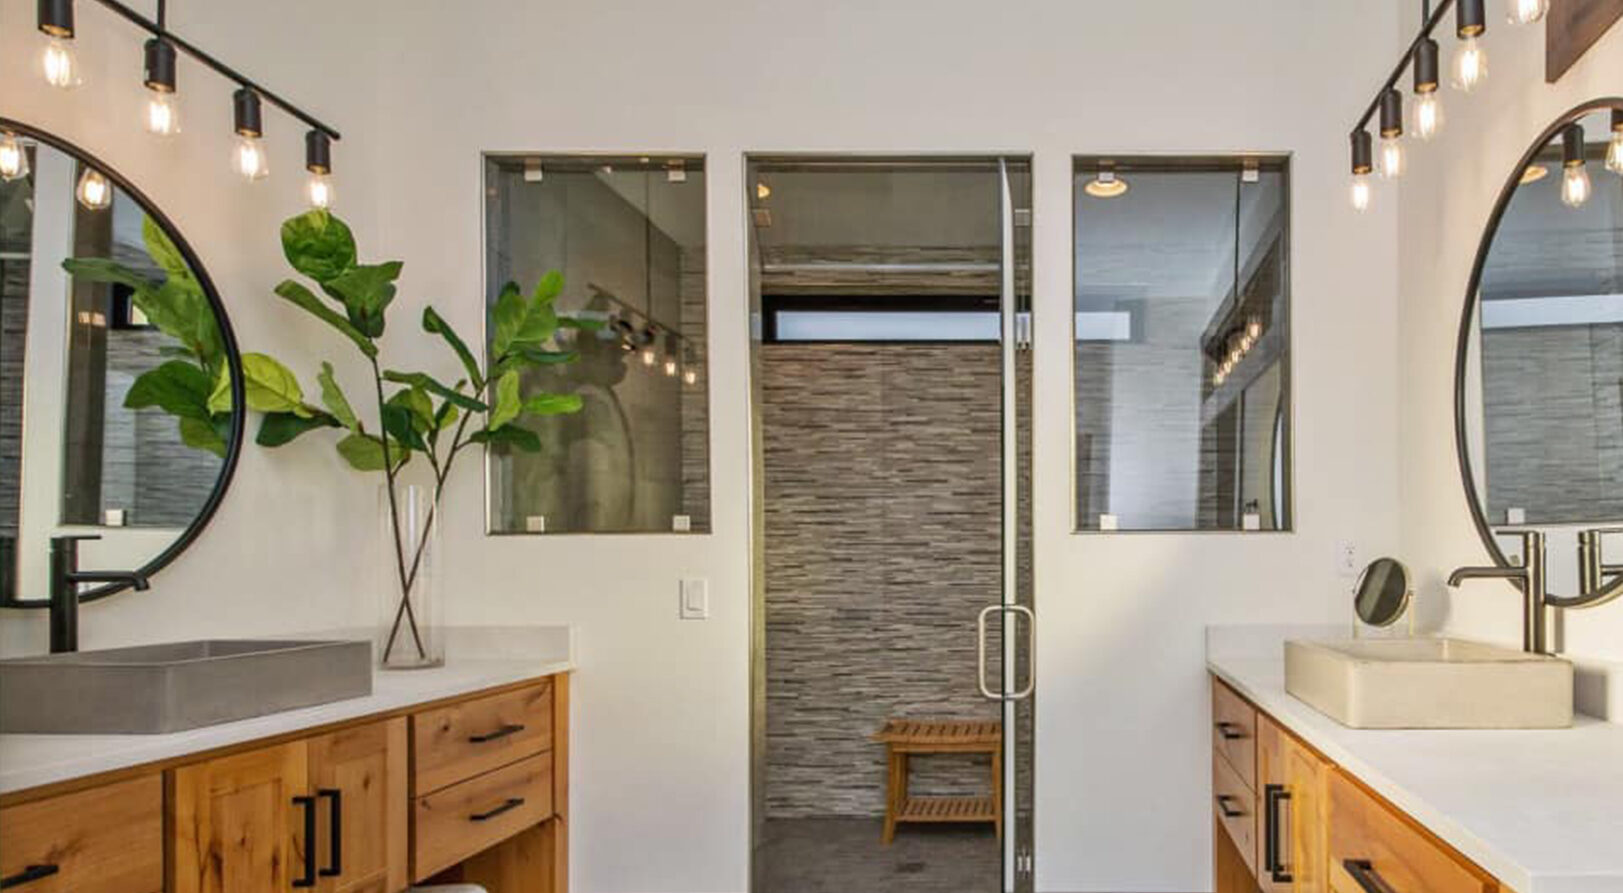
106 839
1291 826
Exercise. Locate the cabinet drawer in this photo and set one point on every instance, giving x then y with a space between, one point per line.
1234 732
108 838
452 824
457 742
1407 859
1235 806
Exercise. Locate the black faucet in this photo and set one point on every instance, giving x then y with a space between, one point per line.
65 580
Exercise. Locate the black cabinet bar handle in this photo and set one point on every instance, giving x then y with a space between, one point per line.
1273 860
510 803
509 729
28 874
1364 873
308 804
335 866
1230 731
1229 812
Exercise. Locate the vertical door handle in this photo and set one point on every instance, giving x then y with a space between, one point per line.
335 834
1367 879
980 652
1031 650
1273 858
308 804
1031 647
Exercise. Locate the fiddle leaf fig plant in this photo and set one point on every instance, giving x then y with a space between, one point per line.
416 414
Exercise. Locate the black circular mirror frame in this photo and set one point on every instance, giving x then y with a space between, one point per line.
227 338
1474 499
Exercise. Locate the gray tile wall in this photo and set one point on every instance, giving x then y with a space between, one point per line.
882 518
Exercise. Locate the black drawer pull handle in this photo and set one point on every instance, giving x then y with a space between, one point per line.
1230 731
309 806
29 874
1223 801
510 803
1364 873
511 728
335 866
1273 859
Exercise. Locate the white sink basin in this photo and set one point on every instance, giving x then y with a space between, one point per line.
1429 684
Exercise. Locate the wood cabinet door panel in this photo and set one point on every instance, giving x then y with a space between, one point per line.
1405 856
454 823
359 776
236 828
107 839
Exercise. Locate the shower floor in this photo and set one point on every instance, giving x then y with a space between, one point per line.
844 855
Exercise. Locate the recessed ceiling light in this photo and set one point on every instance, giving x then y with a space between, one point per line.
762 191
1106 185
1534 173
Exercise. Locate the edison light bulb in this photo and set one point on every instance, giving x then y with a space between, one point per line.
649 357
163 113
1526 12
248 158
670 366
319 191
60 65
13 158
1470 65
1428 115
1391 157
1614 153
93 191
1360 192
690 375
1575 185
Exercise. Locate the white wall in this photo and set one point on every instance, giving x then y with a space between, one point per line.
1444 206
662 733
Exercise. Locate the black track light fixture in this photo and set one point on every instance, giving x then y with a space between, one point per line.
248 154
1575 186
318 161
163 113
57 60
1470 59
1428 108
1391 134
1362 164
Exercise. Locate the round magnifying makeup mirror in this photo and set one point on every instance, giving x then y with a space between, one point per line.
1382 595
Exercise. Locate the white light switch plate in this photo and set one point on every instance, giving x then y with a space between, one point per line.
695 603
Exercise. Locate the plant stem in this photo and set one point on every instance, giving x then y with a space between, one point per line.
394 519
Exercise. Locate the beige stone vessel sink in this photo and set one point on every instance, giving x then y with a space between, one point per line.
1429 684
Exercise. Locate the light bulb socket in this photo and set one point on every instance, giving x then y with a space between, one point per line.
317 152
56 18
246 113
160 65
1425 66
1363 152
1572 145
1617 120
1470 18
1391 113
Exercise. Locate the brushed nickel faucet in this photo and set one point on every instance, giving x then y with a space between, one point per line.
1593 569
1531 576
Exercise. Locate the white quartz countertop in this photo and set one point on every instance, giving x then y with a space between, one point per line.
1542 810
485 659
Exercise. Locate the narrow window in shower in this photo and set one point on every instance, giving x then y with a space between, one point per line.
628 235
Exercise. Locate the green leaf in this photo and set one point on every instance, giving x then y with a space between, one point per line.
318 245
434 324
201 435
163 251
446 416
278 428
582 323
518 321
302 297
552 404
332 397
548 289
428 383
512 435
508 403
101 269
365 291
401 421
178 388
541 357
364 452
268 385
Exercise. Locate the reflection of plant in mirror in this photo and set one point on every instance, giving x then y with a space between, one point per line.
194 383
419 415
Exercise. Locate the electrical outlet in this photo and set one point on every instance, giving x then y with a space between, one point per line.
695 601
1346 559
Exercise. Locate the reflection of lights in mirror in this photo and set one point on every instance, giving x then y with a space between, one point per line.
1106 185
13 158
1614 147
1575 186
1534 173
93 191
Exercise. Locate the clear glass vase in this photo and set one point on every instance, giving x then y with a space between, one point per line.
411 629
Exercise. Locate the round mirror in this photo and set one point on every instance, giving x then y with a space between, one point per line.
120 382
1539 374
1382 594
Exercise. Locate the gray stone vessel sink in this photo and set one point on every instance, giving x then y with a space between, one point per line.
152 689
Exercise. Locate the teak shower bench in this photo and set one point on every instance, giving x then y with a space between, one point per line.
905 737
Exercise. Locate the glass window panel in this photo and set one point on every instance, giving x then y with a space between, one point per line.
628 235
1182 345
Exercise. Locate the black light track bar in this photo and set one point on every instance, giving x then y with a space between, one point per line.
1433 18
160 28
